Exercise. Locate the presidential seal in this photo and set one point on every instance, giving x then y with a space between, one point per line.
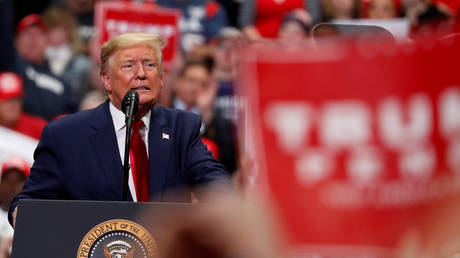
118 238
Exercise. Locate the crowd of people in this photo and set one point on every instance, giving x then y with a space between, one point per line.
50 61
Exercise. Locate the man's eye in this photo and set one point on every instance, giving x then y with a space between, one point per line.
127 66
150 65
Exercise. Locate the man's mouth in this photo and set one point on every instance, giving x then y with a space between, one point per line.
141 88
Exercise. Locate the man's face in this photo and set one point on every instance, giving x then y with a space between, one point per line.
195 79
10 111
10 185
291 32
134 68
382 9
58 36
343 7
31 44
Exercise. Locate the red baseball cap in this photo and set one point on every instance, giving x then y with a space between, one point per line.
16 163
10 86
30 20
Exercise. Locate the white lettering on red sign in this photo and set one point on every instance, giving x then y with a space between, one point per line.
397 132
345 124
116 27
449 106
404 127
291 121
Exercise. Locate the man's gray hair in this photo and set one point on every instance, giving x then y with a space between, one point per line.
126 40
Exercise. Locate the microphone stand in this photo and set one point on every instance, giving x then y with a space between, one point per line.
126 165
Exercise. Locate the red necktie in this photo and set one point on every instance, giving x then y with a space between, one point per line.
139 162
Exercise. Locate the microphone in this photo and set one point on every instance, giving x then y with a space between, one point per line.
129 106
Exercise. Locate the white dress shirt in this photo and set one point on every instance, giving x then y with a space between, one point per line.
118 118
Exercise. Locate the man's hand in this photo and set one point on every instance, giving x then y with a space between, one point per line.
15 212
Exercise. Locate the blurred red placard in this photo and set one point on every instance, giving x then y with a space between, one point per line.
355 144
114 18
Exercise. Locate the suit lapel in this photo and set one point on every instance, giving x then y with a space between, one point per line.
104 141
160 140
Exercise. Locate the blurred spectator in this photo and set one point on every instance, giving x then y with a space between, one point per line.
293 29
11 115
342 9
31 39
94 90
94 76
425 18
227 44
382 9
45 94
194 78
226 57
262 18
83 10
195 90
13 175
201 20
64 51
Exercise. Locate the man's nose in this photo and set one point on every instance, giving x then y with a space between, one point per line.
140 72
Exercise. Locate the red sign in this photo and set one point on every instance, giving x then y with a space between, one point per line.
114 18
356 145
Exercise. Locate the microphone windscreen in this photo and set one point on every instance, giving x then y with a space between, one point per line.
130 96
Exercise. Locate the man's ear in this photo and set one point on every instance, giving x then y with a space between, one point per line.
106 81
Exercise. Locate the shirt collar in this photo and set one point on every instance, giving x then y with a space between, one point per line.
118 118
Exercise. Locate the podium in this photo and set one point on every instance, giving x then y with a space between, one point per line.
57 228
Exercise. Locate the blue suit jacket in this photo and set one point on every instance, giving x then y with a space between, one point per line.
78 158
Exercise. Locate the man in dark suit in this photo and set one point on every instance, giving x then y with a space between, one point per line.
79 157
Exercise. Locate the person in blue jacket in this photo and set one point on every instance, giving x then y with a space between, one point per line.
79 156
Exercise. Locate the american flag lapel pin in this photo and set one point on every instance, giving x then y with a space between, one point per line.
165 136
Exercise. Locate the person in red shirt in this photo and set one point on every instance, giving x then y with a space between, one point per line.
13 173
11 114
